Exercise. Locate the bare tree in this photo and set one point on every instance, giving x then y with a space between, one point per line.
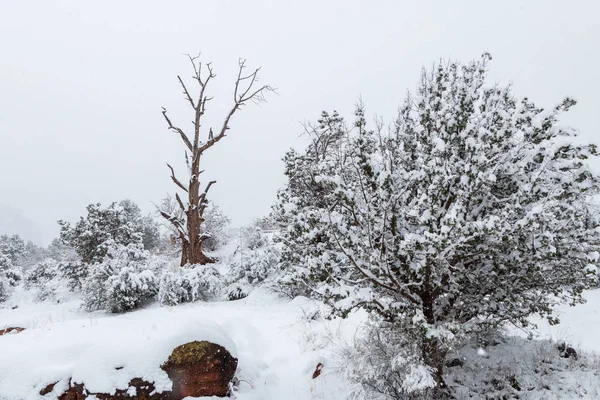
246 89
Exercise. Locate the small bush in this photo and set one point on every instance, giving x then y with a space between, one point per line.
215 225
44 278
10 276
256 267
125 280
254 237
384 362
188 284
41 273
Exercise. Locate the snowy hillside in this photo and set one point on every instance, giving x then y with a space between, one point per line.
277 348
279 344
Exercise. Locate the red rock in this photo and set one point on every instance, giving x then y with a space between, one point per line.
200 369
75 392
11 330
48 389
196 369
317 372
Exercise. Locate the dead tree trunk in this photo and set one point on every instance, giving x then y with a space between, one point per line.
189 226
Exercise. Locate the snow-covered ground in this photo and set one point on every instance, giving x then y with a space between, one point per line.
579 325
278 342
269 336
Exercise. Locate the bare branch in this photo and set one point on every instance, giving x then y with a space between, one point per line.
187 94
247 94
203 202
176 223
193 61
367 274
211 74
202 198
187 162
179 202
176 129
204 236
175 179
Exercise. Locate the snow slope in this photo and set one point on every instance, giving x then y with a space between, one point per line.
278 342
579 325
267 334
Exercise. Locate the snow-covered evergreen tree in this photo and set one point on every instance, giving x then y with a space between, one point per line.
300 204
145 225
10 275
44 279
473 210
59 251
120 223
12 247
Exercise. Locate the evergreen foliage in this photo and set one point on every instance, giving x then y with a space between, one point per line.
120 223
472 210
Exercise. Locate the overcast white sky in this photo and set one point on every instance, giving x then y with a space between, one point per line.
82 83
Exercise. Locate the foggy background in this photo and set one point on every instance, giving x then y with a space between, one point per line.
82 85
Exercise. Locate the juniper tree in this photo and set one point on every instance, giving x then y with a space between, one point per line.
121 223
299 205
12 247
473 209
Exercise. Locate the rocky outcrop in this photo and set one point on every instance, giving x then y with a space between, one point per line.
196 369
200 369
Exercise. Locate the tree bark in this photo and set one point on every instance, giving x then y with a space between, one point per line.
433 354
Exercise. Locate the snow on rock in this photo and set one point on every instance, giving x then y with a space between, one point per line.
104 354
11 330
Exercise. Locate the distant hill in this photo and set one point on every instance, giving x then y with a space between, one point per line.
14 222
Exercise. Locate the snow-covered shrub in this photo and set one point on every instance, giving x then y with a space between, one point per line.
41 273
75 273
59 251
258 233
256 268
254 265
21 253
44 278
125 280
10 276
147 226
253 236
215 225
188 284
385 363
